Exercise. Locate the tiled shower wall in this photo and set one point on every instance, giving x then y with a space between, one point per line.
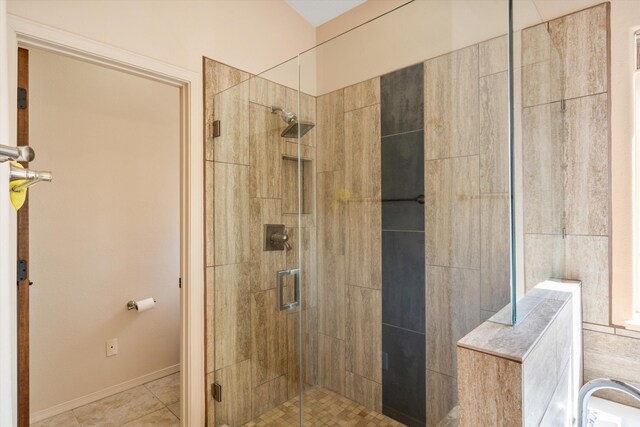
403 270
251 177
575 51
454 110
349 242
466 219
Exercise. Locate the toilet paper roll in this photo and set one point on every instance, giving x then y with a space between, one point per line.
145 304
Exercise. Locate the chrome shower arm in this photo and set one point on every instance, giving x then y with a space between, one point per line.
286 115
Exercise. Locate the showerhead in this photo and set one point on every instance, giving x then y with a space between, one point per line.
295 129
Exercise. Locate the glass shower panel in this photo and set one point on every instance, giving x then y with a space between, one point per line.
259 293
412 204
541 151
363 207
278 326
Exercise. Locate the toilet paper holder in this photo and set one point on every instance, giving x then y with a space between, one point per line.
132 305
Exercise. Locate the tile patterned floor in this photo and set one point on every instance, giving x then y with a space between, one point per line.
323 408
156 403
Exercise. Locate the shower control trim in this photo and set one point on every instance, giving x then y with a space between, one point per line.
276 237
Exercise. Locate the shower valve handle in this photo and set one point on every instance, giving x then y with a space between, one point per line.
282 237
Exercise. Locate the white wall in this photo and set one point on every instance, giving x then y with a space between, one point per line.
105 231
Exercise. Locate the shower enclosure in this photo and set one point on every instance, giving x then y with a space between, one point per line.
365 210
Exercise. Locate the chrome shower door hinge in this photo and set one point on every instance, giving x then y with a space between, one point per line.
216 392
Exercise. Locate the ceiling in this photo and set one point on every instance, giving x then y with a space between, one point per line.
317 12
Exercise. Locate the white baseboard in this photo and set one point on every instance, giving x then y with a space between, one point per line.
101 394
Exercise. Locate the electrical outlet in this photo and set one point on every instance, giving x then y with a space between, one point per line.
112 347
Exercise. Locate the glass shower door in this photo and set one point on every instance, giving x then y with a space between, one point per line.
256 279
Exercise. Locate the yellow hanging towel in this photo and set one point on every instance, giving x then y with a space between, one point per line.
17 197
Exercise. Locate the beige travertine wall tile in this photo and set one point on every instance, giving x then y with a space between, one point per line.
544 258
231 107
587 260
543 153
451 104
557 414
208 214
366 392
452 212
442 396
217 78
331 205
625 332
453 310
564 338
536 44
586 134
612 356
233 314
309 349
236 382
269 395
268 338
363 248
209 319
495 252
362 152
269 94
231 212
311 346
494 134
601 328
332 295
266 161
330 132
581 41
363 337
501 405
332 363
540 377
264 264
362 94
541 82
308 278
493 56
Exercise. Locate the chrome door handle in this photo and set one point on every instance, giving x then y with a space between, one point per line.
282 306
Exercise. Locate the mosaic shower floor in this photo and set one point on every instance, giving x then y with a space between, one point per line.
322 408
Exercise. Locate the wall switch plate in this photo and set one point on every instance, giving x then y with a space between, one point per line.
112 347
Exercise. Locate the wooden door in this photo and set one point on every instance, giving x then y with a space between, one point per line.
23 253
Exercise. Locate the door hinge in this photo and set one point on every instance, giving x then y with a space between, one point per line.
23 268
22 98
180 282
215 129
216 392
